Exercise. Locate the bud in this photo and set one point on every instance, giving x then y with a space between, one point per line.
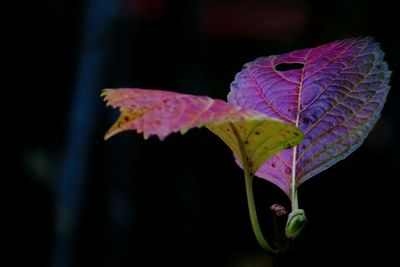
296 222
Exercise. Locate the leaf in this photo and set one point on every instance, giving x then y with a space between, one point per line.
251 135
334 93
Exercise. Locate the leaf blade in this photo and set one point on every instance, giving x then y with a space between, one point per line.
335 98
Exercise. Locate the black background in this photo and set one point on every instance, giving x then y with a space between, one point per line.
182 202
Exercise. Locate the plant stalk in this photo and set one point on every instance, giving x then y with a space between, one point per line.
253 214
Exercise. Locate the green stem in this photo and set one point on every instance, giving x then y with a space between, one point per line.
295 201
253 213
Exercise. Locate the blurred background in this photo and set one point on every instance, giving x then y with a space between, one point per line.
77 200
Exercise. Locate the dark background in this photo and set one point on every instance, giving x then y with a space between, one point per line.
79 201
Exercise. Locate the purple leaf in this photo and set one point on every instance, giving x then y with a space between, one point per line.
334 93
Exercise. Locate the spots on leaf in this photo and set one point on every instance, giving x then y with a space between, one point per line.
287 145
306 120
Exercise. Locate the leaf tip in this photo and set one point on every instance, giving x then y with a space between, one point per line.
109 134
297 136
105 94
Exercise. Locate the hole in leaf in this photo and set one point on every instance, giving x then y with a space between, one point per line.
289 66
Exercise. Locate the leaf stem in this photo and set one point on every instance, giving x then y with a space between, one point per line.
294 200
253 213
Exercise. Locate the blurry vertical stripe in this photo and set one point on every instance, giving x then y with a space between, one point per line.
99 20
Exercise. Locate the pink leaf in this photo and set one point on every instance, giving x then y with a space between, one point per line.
160 113
251 135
